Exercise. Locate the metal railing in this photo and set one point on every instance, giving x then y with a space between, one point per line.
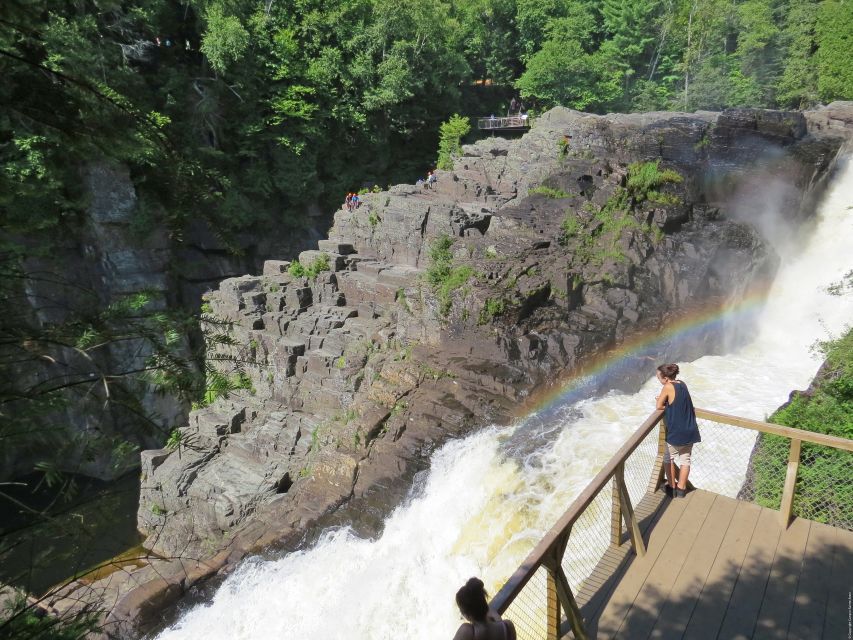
508 122
796 472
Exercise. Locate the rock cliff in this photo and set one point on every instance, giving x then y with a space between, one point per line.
430 312
110 252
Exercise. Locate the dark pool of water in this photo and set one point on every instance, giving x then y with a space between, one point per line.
96 524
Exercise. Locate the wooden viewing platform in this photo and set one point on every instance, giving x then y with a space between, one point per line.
625 562
508 122
716 567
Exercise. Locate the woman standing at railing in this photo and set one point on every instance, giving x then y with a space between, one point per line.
483 623
682 431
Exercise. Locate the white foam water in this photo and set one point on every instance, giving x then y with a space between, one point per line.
480 512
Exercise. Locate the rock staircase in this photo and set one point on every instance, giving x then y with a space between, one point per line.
303 344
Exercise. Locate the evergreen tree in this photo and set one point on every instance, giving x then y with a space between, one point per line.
835 42
797 86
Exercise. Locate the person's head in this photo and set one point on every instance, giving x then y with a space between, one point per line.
471 600
667 373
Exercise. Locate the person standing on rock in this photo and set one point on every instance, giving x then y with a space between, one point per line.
682 431
483 623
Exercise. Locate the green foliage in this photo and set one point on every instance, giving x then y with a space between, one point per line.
834 31
373 219
617 215
563 73
550 192
220 385
340 363
644 178
828 410
320 264
225 39
797 85
435 374
443 277
569 228
450 140
21 620
492 308
175 439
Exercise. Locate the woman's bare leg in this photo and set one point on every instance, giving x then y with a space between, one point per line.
683 472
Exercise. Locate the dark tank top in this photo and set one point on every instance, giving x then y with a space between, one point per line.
681 427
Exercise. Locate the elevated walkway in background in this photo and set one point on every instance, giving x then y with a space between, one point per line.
767 557
504 123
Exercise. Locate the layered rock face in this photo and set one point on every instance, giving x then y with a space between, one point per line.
429 312
552 252
106 257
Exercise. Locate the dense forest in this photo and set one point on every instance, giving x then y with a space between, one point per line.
243 111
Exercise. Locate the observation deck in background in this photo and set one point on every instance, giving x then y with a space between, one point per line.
508 122
770 557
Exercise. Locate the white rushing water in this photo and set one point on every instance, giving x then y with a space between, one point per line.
480 513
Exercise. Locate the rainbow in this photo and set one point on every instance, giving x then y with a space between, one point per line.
641 350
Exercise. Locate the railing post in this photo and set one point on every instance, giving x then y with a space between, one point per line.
553 619
658 477
616 516
554 565
628 511
790 482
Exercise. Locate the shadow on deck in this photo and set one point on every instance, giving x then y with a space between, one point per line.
719 568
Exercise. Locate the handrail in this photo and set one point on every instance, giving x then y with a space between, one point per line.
505 122
546 546
777 430
549 552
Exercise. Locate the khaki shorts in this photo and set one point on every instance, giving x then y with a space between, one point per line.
679 455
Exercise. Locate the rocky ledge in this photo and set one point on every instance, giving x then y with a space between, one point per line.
430 312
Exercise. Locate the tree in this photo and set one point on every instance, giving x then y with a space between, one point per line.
449 145
797 85
834 31
565 72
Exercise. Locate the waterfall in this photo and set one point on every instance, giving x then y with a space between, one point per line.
479 511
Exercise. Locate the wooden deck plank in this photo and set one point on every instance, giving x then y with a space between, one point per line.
644 612
775 613
722 569
676 611
709 611
840 587
748 594
614 610
809 607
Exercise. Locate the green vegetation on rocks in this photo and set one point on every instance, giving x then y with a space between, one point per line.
821 492
617 215
550 192
443 276
299 270
450 140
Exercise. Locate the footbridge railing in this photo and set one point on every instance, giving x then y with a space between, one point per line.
508 122
796 472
